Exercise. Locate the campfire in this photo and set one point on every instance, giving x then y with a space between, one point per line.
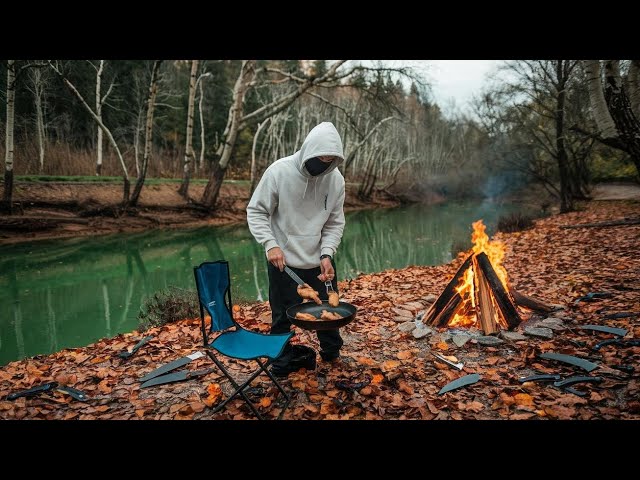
479 295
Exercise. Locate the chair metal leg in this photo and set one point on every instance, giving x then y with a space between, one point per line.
239 389
286 395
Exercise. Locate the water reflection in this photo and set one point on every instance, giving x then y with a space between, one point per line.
58 294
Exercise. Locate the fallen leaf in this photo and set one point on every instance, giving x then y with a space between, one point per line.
523 399
389 365
404 355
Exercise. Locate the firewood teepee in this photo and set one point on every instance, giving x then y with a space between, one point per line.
479 293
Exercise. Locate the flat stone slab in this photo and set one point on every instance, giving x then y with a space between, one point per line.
512 336
407 326
460 340
422 332
430 298
541 332
553 323
403 319
489 341
413 306
402 312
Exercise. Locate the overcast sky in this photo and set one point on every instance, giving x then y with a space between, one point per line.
453 79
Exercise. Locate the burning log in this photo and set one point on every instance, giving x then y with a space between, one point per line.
506 306
530 302
486 311
434 313
449 310
476 295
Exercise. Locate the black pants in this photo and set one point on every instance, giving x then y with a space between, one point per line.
283 294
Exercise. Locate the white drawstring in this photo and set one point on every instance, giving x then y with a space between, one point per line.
305 189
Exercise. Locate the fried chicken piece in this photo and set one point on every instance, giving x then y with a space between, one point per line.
334 300
326 315
305 316
309 293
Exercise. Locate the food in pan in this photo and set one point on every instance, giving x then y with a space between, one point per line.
309 293
334 300
326 315
305 316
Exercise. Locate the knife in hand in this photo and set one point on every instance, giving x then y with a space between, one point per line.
293 275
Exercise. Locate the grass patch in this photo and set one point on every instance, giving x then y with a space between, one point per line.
168 305
514 222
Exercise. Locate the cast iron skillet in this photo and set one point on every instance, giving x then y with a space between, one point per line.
347 311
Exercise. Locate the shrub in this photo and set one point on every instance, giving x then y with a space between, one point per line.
168 306
514 222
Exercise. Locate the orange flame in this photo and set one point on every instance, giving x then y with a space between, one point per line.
495 250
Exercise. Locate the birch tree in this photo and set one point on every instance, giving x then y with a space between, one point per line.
100 101
148 133
189 156
37 85
101 125
616 106
7 197
298 84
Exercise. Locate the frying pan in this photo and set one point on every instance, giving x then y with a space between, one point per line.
347 311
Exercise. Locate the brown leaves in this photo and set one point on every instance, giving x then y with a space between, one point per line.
405 379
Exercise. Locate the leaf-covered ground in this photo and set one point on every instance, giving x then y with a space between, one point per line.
385 372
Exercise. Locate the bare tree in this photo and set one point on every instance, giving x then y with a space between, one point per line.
299 84
615 111
7 198
100 101
200 83
148 133
38 83
114 144
254 164
189 156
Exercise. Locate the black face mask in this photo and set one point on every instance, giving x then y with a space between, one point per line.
315 166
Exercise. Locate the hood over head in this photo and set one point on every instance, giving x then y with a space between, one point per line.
323 139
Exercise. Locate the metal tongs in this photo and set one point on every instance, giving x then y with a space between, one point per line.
329 287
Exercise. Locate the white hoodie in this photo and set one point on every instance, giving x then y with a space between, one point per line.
300 213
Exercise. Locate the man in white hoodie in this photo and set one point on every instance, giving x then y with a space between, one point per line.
296 213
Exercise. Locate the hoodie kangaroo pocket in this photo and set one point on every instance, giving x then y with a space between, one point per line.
302 251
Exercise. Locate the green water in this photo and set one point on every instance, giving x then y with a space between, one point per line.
69 293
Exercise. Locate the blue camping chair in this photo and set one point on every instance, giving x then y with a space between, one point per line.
214 294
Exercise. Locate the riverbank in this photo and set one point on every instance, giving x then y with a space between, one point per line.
397 372
50 210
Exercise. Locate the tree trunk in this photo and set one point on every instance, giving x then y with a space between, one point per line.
202 145
112 141
633 86
7 198
626 122
188 151
601 114
212 190
99 115
254 163
40 131
148 132
566 192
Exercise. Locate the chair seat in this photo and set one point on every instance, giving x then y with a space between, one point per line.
248 345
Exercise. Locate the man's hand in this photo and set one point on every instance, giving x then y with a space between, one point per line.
326 270
276 258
